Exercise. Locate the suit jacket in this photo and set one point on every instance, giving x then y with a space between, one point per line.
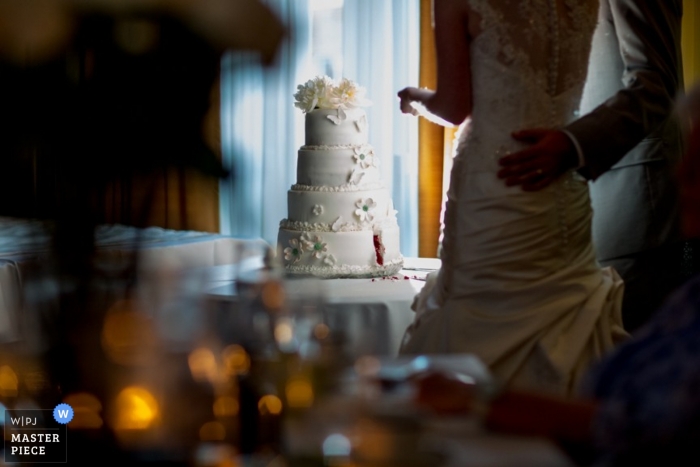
630 140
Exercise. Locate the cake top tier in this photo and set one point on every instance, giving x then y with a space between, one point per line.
336 127
334 114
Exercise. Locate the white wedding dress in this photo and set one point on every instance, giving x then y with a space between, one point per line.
519 284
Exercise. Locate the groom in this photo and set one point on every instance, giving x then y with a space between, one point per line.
628 144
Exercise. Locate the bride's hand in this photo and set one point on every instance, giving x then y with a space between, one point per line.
410 95
407 96
443 394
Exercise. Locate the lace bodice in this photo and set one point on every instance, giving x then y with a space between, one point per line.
528 67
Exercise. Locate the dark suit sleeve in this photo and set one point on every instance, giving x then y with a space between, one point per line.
648 32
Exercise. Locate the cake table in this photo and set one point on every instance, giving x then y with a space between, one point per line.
374 313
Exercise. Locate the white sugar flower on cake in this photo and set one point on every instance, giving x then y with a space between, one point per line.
314 94
365 209
364 156
314 244
293 251
348 95
321 92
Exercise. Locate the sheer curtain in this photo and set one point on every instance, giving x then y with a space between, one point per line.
380 52
262 130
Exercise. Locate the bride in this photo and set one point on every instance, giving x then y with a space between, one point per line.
519 285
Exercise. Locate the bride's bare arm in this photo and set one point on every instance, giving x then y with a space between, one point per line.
451 102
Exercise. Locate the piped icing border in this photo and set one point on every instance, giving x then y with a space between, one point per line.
338 225
326 147
334 189
347 270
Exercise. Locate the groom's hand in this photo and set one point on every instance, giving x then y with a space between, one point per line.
552 153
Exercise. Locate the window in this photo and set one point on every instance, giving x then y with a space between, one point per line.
372 42
327 38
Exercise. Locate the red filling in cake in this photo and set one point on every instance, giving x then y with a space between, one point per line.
378 250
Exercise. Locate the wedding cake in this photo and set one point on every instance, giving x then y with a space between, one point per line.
341 220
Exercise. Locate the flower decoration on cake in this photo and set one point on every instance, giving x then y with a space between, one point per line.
314 94
364 156
321 92
293 252
317 210
348 95
365 209
314 244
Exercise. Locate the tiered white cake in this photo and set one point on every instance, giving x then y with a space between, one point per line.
341 220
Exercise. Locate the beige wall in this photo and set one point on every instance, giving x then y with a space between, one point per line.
691 41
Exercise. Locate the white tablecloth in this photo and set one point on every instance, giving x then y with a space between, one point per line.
373 313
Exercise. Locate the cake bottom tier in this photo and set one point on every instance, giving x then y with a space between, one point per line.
341 254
